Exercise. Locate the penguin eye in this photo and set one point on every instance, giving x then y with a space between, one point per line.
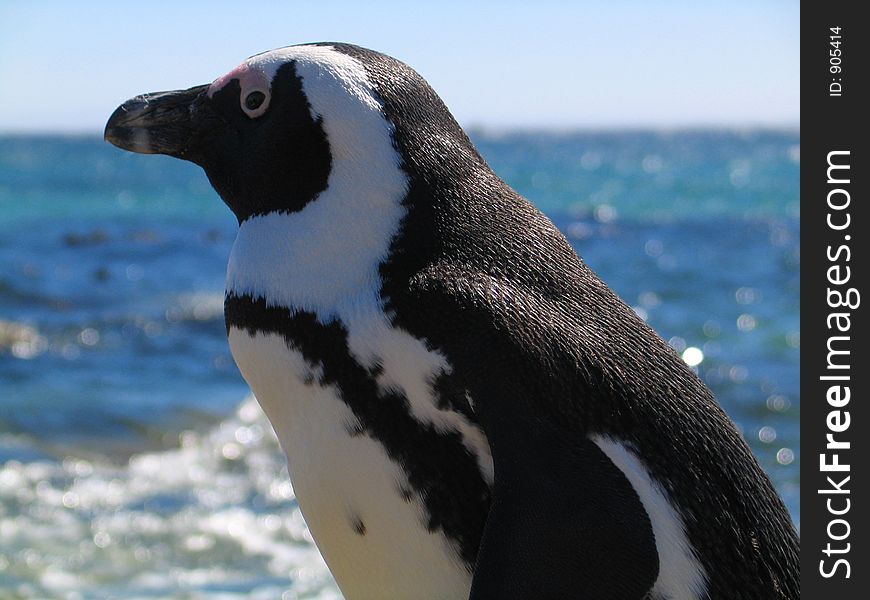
254 100
255 103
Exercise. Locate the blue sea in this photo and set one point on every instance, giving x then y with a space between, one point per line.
134 464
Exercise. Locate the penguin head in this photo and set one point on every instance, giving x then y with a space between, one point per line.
278 130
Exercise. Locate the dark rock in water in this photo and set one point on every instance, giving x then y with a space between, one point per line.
97 236
102 274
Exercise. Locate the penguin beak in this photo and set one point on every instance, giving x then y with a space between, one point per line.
161 122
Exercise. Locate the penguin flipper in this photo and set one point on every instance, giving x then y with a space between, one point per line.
564 521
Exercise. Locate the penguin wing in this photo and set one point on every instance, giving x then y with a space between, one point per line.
564 521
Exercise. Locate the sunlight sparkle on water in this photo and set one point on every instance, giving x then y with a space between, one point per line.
693 356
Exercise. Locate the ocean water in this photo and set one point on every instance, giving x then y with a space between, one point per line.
133 464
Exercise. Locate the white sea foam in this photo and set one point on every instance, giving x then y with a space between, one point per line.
214 518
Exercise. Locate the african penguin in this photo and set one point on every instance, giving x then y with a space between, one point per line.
466 408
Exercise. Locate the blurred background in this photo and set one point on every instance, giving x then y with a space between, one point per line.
662 138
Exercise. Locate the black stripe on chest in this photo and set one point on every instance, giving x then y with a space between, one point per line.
441 471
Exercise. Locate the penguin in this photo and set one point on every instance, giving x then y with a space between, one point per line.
466 409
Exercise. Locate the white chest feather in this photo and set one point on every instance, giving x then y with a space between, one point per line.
375 541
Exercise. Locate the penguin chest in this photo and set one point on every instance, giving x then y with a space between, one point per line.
368 450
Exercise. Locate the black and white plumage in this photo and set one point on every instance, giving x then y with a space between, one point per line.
464 405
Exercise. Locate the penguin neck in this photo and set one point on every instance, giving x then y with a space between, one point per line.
325 258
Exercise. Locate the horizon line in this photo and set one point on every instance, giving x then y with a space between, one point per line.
494 129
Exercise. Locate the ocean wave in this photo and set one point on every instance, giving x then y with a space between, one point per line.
214 518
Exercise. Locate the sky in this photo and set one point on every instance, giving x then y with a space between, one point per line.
64 66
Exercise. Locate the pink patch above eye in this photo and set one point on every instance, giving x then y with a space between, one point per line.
249 78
